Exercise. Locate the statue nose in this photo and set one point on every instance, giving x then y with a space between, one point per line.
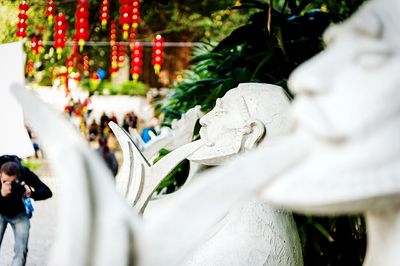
203 121
316 75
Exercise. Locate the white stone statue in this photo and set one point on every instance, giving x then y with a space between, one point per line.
14 138
245 116
349 103
252 233
343 156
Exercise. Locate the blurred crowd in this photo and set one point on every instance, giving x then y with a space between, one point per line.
101 137
98 133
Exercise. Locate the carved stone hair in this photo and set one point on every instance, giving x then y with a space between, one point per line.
266 103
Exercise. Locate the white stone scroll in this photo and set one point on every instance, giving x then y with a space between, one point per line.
14 139
131 176
138 178
180 133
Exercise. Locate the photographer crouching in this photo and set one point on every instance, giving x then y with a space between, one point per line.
17 185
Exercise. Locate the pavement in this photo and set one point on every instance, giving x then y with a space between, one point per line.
43 227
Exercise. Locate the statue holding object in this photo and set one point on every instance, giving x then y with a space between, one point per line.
252 232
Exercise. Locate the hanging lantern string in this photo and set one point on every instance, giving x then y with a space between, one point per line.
107 43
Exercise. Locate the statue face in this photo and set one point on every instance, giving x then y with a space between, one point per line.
349 92
353 84
221 131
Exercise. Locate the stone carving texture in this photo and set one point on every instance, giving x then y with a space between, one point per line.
252 234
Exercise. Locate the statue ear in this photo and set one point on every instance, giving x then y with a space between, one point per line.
255 134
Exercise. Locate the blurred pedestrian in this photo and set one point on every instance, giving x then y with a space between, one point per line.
18 185
108 155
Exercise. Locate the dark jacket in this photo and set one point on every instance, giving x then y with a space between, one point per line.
12 205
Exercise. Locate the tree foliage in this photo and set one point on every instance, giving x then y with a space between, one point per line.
266 49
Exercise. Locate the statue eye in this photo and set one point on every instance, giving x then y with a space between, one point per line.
373 59
220 112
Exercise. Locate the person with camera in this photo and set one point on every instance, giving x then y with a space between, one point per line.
17 184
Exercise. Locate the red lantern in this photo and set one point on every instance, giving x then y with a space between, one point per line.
104 12
40 45
22 20
135 13
113 32
75 49
157 56
114 47
60 33
95 76
114 59
136 61
132 37
82 22
86 65
30 65
50 11
23 7
125 17
69 61
35 45
121 55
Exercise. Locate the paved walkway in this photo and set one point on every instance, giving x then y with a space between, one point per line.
43 226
